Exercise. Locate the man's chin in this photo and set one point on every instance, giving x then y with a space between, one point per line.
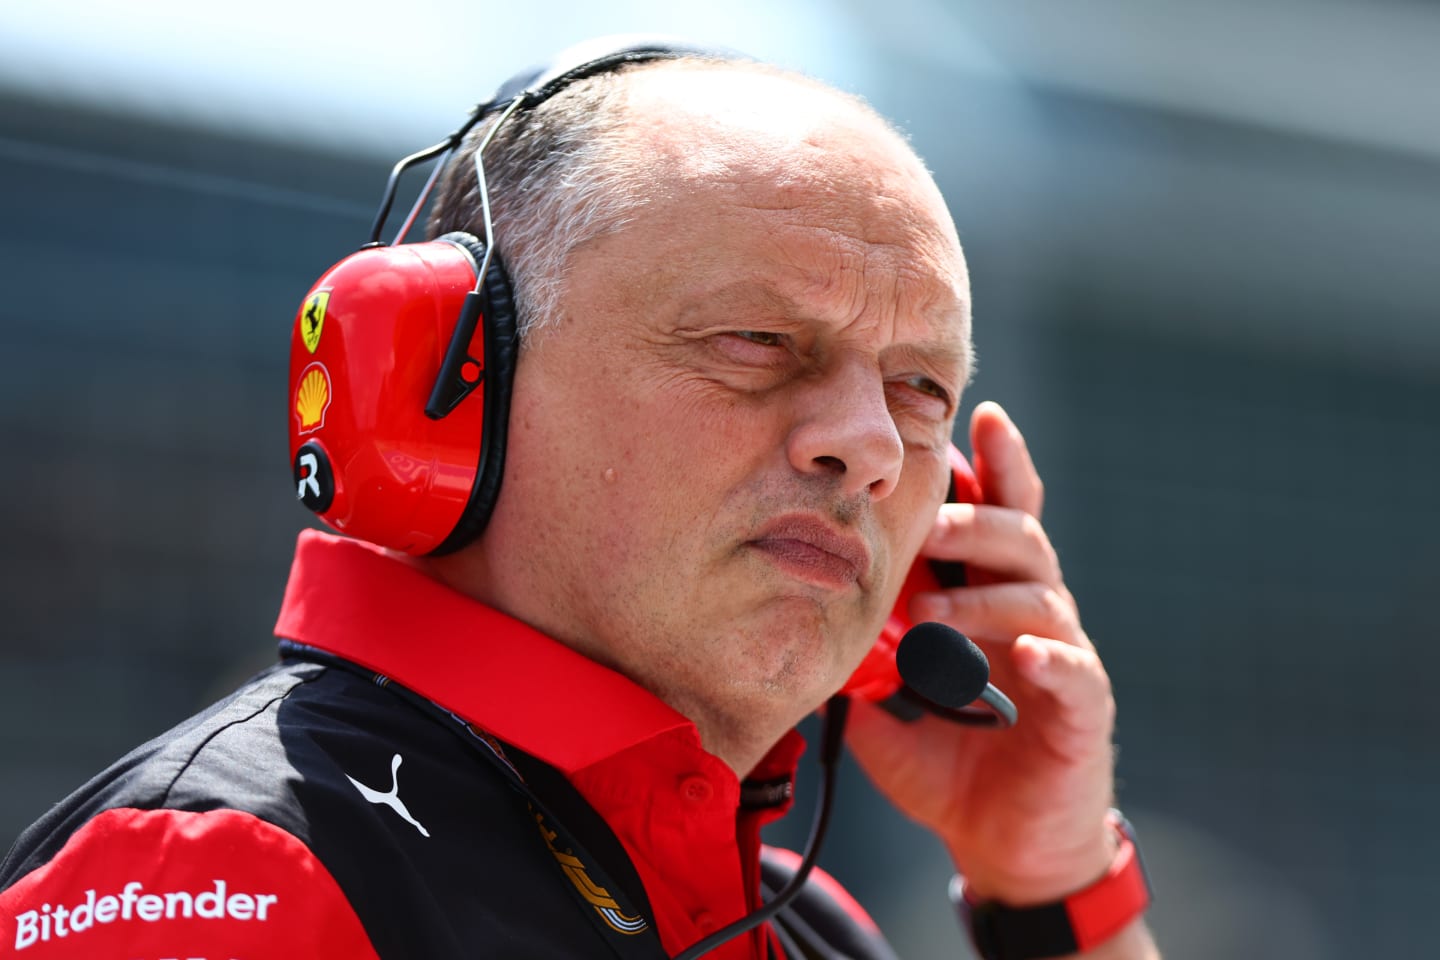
806 658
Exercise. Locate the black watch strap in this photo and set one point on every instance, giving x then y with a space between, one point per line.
1018 933
1075 924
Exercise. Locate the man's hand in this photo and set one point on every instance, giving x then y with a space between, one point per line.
1021 810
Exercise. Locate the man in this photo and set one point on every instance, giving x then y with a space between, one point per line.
745 323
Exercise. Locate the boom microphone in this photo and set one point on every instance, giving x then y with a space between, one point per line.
943 667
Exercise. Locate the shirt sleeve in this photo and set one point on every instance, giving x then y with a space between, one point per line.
180 885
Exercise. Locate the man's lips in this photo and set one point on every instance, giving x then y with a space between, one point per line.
809 549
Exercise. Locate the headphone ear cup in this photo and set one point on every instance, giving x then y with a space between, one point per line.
387 441
499 323
368 341
470 243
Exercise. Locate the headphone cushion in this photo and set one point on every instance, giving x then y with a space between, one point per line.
501 355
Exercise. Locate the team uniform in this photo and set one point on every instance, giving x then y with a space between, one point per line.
420 776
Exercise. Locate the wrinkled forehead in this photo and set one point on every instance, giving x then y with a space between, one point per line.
757 138
805 154
713 120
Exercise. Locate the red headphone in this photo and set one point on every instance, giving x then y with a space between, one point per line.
390 441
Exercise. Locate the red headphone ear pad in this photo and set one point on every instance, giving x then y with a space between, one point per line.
367 342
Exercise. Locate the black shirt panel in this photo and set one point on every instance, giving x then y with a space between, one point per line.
467 875
283 748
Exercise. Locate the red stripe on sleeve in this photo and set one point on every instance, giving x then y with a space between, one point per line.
157 884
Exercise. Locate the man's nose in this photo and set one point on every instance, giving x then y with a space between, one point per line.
844 428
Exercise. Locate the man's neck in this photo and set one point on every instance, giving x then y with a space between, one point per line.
735 740
732 735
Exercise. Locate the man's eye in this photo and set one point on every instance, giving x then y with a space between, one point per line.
928 386
763 337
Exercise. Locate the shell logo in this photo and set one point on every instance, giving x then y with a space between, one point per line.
312 397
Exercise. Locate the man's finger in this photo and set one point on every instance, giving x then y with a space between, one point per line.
1002 541
1002 461
1077 682
1000 612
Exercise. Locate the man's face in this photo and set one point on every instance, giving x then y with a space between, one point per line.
725 453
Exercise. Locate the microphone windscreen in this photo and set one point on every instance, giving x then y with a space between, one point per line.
942 665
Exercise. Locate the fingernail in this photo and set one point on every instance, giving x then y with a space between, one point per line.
933 606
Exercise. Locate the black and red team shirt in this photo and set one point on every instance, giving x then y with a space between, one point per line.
420 776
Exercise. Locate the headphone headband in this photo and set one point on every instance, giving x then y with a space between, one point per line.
592 58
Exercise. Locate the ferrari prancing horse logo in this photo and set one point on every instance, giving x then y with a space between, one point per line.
312 318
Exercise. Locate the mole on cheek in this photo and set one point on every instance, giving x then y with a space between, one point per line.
609 475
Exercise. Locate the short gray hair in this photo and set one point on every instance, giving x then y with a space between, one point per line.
558 176
561 175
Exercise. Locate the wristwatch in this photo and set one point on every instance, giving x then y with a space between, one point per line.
1083 920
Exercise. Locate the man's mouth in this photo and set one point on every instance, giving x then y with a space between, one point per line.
812 550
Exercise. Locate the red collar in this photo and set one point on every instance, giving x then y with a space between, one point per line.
354 600
690 828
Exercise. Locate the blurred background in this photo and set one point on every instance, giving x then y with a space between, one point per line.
1203 240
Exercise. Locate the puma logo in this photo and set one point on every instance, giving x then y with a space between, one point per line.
392 798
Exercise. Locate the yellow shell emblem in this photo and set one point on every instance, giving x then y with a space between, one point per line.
312 397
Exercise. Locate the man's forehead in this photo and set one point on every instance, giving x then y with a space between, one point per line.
717 120
692 102
712 142
691 125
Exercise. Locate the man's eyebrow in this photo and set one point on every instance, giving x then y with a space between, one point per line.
948 354
767 296
745 293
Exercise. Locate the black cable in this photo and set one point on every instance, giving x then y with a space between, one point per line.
832 740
